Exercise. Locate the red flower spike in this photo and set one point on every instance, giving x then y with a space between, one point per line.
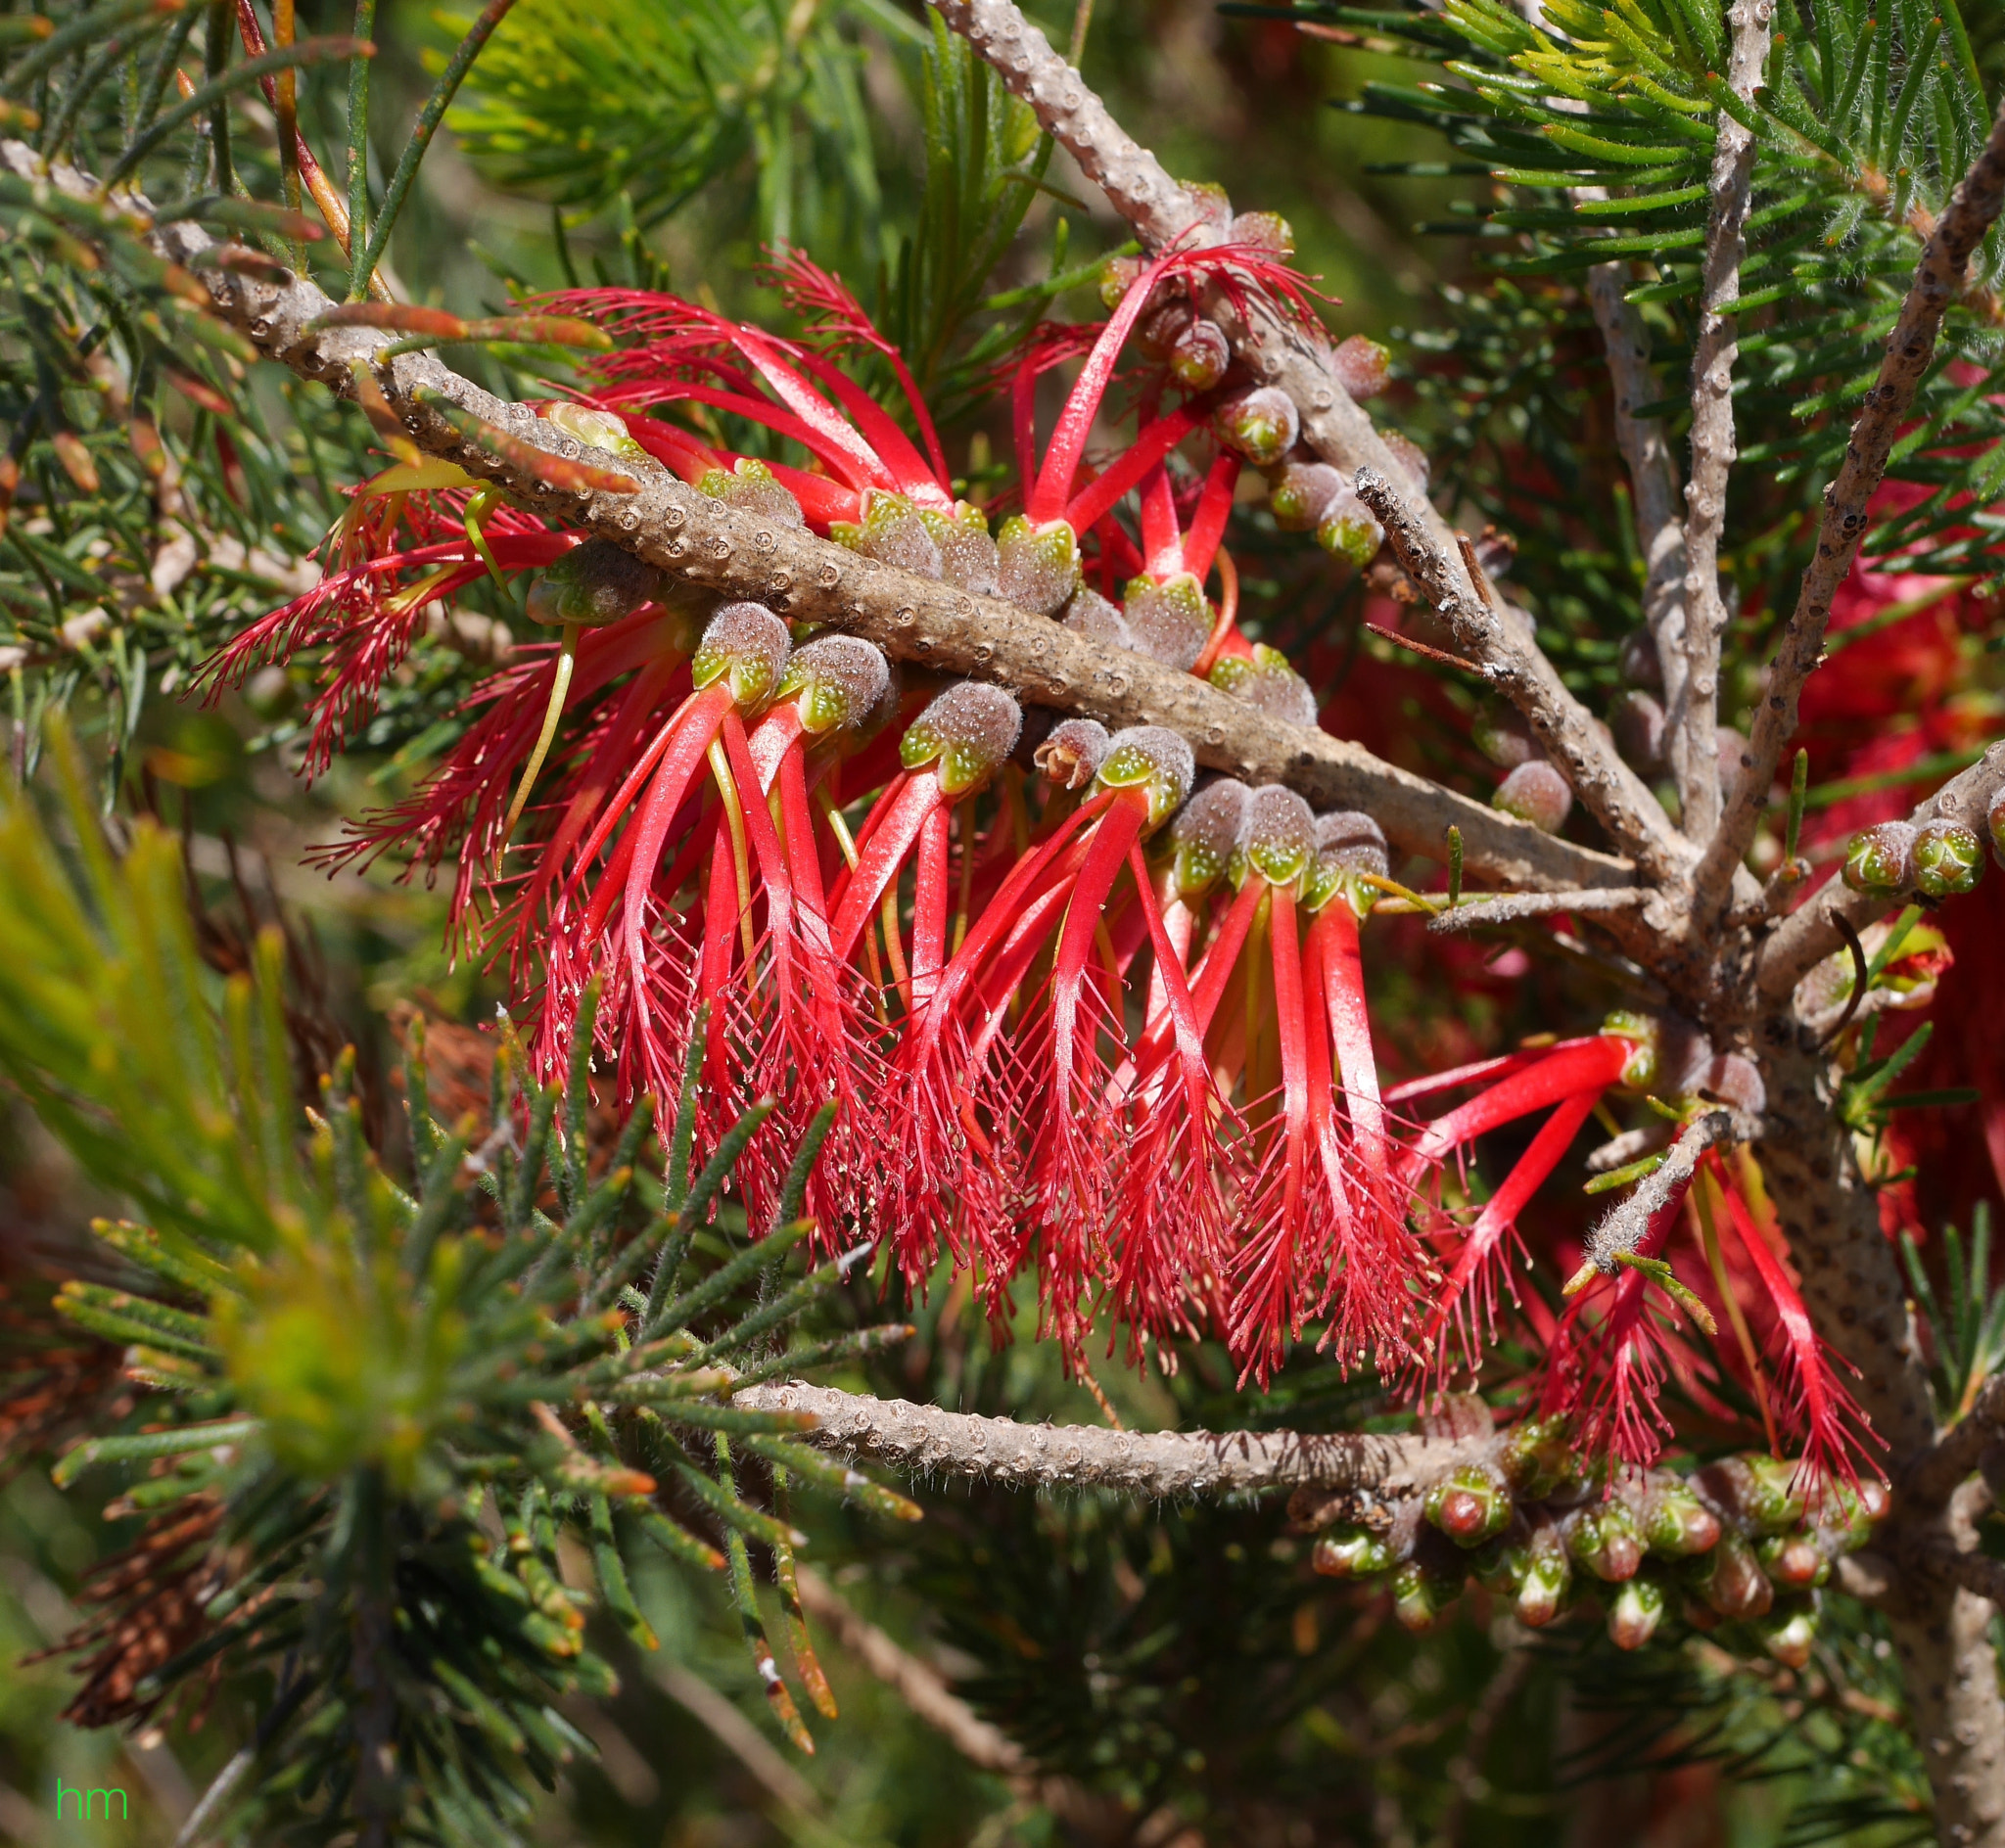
1834 1435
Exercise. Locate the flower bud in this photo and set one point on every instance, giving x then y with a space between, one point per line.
1634 1616
1280 842
750 487
1880 862
1643 1033
1260 425
1994 822
837 681
1470 1505
1349 529
1736 1080
1502 735
1639 664
1349 1552
1949 860
1205 835
1676 1523
596 430
1091 615
1362 366
1265 231
1170 620
1604 1539
1420 1595
1118 275
1348 843
1534 1455
593 585
1156 334
1267 680
970 729
1731 1581
968 556
1548 1575
1638 722
1795 1561
1789 1633
1302 493
746 644
1037 570
893 532
1072 752
1537 793
1199 356
1411 458
1155 758
1208 200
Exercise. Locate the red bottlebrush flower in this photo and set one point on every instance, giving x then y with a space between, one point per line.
1569 1079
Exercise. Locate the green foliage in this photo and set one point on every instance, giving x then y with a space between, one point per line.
656 104
373 1415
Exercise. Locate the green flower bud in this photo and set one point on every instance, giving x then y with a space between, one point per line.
1730 1579
596 430
1420 1595
1499 733
1349 529
1949 860
1170 620
969 729
1789 1633
1037 568
894 533
1535 1457
1470 1505
1268 681
1118 275
750 487
1537 793
836 681
1260 425
1155 758
1350 1553
1303 494
1199 356
1640 1073
1604 1539
1676 1523
1880 862
1206 833
968 556
1349 845
1548 1577
593 585
1634 1616
748 646
1795 1561
1279 839
1265 231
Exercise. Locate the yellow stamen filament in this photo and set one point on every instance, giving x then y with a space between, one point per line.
735 821
553 713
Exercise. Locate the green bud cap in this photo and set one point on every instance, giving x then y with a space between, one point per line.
1880 862
1269 681
1995 821
1640 1073
1350 1553
1604 1539
1303 494
596 430
969 558
1170 620
1260 425
1789 1633
747 645
750 487
1634 1616
1419 1597
1795 1561
1471 1504
1676 1523
1153 757
1205 835
1265 231
1949 860
1036 568
1278 844
1769 1493
1118 275
593 585
895 533
1362 366
1199 356
1350 531
1534 1455
836 681
969 729
1548 1577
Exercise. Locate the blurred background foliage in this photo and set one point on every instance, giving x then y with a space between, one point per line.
1177 1675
